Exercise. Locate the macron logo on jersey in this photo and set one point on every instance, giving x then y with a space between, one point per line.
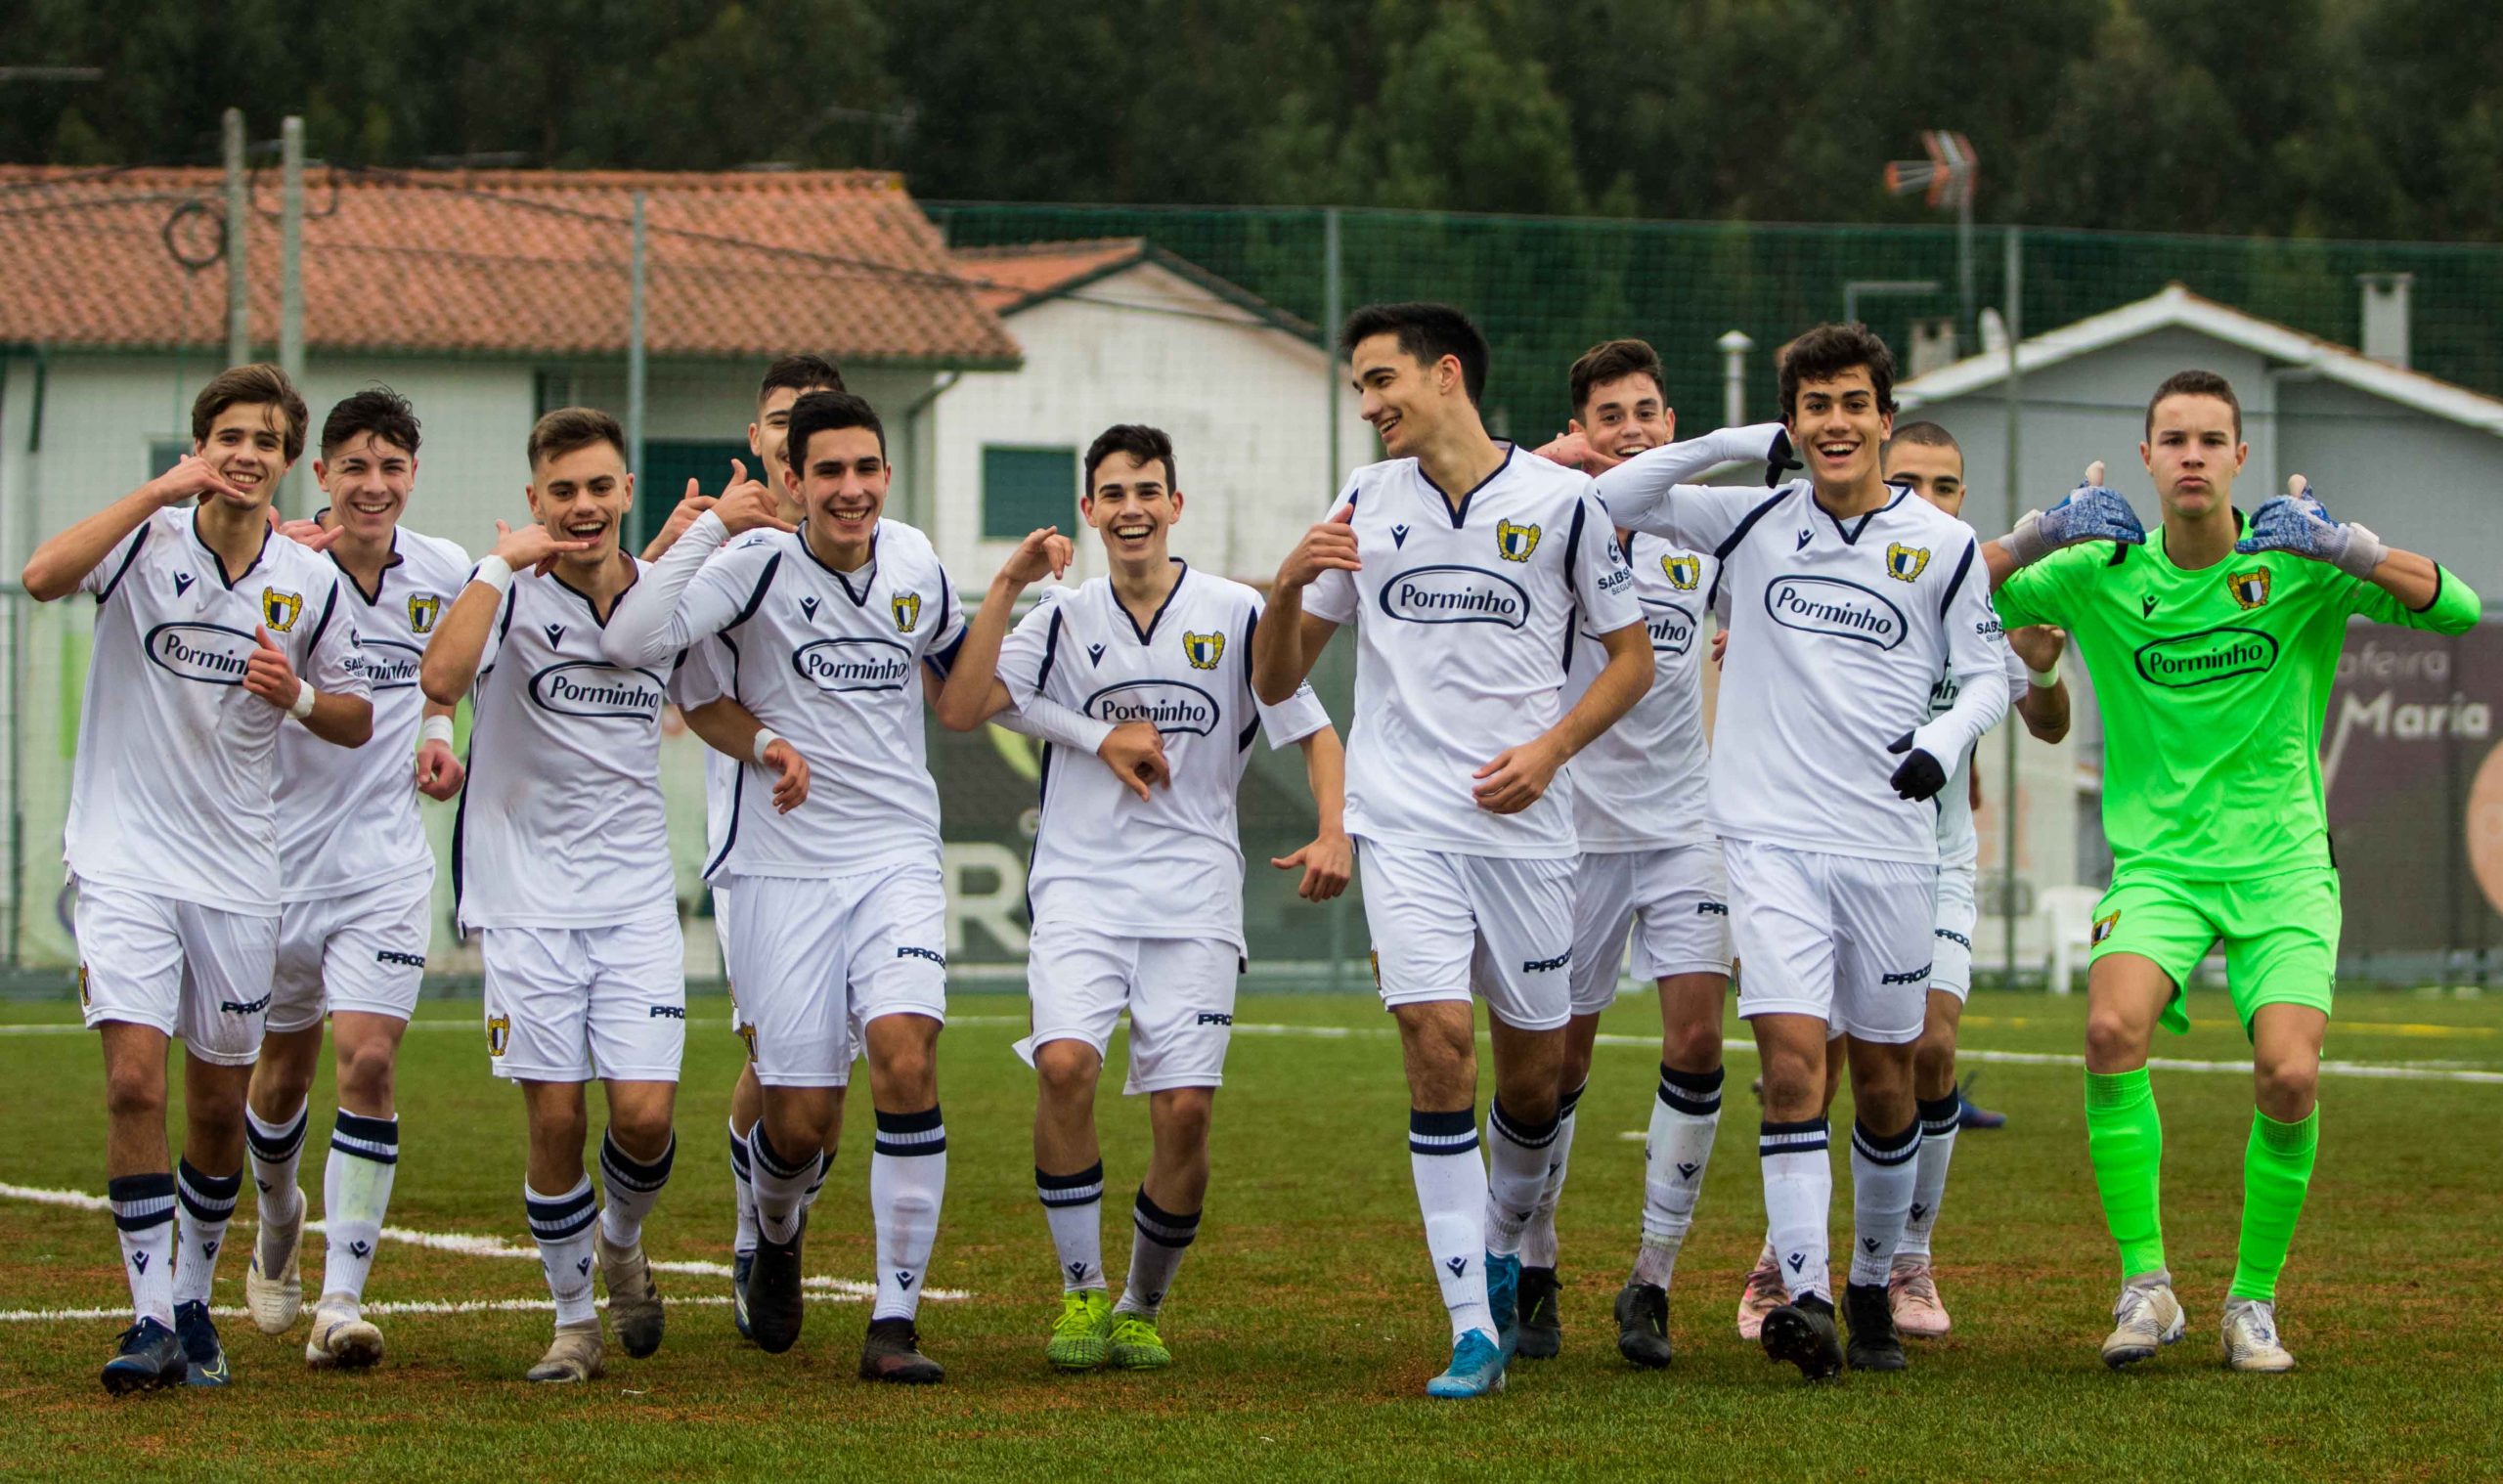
1170 705
837 666
1454 594
209 653
590 689
1831 606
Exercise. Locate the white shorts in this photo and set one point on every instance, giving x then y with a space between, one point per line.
1179 992
362 951
722 945
1950 969
1445 924
187 970
1679 899
570 1004
817 958
1841 937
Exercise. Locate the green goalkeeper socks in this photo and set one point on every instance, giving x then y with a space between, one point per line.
2125 1140
2276 1171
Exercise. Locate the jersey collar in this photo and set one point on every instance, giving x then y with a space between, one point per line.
634 575
1147 634
1851 533
380 578
218 563
1459 513
868 570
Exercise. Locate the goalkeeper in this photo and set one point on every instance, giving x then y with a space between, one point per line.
2212 645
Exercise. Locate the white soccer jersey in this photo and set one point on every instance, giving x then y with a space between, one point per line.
350 815
1172 866
176 781
1464 621
1640 785
562 824
830 660
1957 844
1838 632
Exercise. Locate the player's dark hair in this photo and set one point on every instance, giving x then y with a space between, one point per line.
2196 383
1142 443
376 409
801 373
570 428
1614 361
257 384
826 413
1927 434
1428 332
1829 350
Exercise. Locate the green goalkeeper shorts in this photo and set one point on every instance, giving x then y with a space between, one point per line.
2280 934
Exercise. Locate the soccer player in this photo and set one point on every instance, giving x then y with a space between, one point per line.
1137 901
1468 567
1651 869
360 882
214 633
2212 646
836 933
562 864
1848 601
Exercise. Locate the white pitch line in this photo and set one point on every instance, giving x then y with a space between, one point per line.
492 1247
405 1306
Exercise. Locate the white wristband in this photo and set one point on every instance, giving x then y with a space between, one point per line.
435 730
2045 680
305 696
766 736
495 572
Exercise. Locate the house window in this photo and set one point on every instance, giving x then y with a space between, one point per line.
550 390
165 452
668 463
1024 488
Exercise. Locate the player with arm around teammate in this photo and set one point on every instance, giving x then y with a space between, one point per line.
2213 643
1466 567
214 635
1137 895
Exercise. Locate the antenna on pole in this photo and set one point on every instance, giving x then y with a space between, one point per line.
1947 177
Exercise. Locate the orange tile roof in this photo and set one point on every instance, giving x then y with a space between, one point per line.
495 262
1010 278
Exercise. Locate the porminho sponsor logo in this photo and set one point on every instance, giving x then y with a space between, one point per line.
2207 656
589 689
1830 605
209 653
1455 594
1169 705
845 665
390 665
1672 627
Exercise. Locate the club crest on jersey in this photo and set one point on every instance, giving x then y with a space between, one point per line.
424 610
280 610
2103 927
1514 544
1203 650
908 610
499 1034
2249 589
1906 563
1684 570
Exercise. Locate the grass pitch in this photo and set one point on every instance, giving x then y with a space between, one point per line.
1305 1323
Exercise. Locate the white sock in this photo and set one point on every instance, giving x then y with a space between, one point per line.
816 1183
1451 1192
744 1188
781 1186
144 1218
1939 1121
356 1192
1798 1199
633 1187
1161 1237
1685 1116
275 1150
1882 1171
563 1226
907 1181
1516 1176
207 1203
1538 1238
1073 1209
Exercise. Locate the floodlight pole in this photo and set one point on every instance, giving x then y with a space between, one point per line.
238 237
2015 388
636 273
290 290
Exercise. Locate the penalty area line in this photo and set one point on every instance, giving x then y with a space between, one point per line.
391 1307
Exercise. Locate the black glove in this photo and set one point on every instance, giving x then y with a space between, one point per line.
1779 460
1920 776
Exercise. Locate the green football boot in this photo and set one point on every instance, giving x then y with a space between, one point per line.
1078 1336
1136 1346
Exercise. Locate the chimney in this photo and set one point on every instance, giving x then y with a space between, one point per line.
2385 316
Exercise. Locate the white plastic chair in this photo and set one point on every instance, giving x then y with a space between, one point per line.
2067 915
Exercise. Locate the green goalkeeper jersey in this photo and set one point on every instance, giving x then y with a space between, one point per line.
2212 686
